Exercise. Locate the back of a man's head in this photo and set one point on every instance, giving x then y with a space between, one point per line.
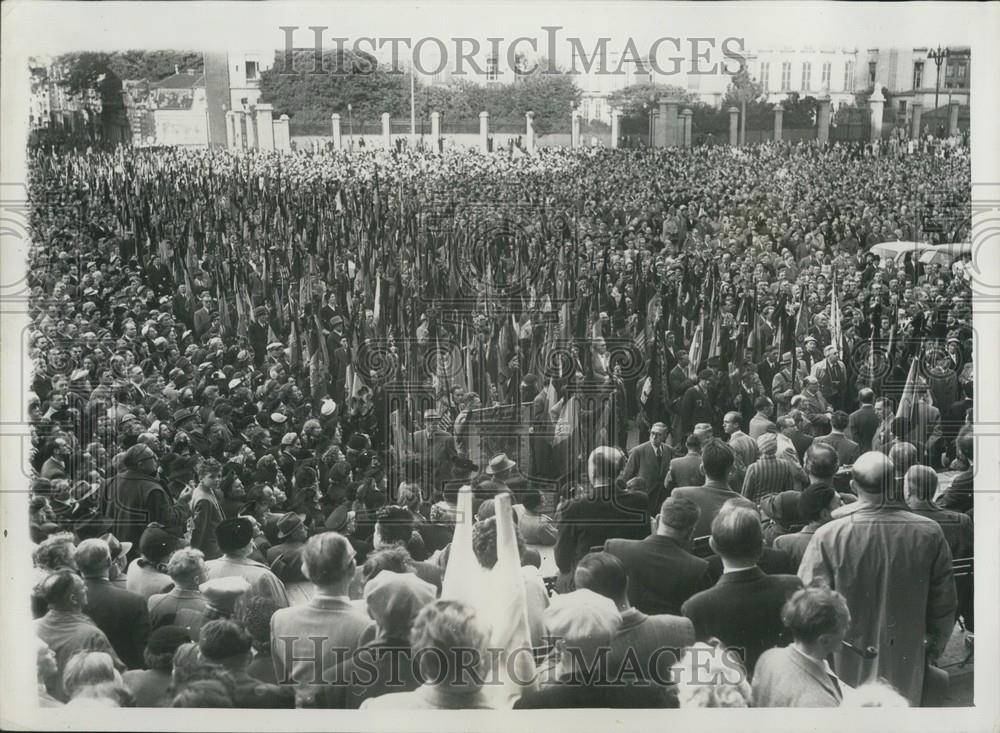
693 443
678 516
736 532
717 459
903 455
602 573
839 420
93 557
866 396
822 461
604 464
872 474
223 639
61 590
328 558
921 483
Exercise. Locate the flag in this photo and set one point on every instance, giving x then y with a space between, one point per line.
377 311
836 327
696 348
906 401
802 323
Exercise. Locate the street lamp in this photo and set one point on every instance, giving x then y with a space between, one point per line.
350 124
938 57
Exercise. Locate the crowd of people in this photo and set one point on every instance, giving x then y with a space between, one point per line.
266 410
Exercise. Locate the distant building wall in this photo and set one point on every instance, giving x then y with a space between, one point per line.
217 95
181 127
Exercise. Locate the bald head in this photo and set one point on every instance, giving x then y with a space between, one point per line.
921 483
873 474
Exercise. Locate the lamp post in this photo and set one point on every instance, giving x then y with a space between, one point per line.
938 56
350 123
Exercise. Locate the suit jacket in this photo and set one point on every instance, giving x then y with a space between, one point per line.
662 574
773 561
786 678
710 497
743 610
758 426
833 382
572 693
684 471
122 616
589 521
642 462
646 639
862 425
695 407
339 624
679 383
847 450
766 373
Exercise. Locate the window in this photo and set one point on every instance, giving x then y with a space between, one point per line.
598 109
825 79
902 106
491 69
806 76
786 76
765 76
872 70
918 74
849 76
252 70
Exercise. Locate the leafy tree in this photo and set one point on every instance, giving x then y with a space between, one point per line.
346 79
154 65
550 96
800 111
634 100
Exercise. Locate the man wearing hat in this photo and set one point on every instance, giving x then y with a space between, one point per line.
147 574
505 471
650 461
291 533
202 316
811 354
235 539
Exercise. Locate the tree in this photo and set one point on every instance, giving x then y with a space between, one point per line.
742 90
350 79
551 97
634 100
154 65
800 111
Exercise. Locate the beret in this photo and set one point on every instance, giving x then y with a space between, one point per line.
289 438
582 614
813 499
234 534
156 543
223 593
338 519
167 639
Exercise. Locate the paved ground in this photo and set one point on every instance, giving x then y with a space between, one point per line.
962 688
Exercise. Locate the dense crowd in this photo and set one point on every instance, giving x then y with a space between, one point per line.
266 410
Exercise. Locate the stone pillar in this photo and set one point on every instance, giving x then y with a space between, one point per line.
282 139
484 131
435 127
338 140
686 116
734 125
916 113
386 131
230 129
876 103
779 114
823 119
238 128
614 128
574 135
251 131
953 106
529 129
667 132
265 126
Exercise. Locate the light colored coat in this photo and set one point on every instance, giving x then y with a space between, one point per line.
786 678
890 564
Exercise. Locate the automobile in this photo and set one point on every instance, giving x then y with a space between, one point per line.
943 254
